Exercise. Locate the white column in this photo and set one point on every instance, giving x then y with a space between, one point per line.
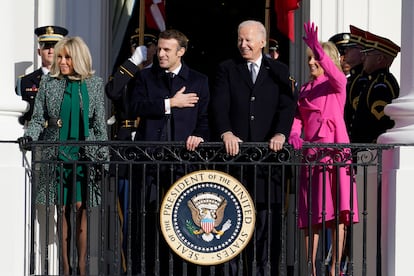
401 110
14 195
47 12
397 238
398 163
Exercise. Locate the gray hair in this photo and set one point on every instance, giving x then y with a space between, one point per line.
259 25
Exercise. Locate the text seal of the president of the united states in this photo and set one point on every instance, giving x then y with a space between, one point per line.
207 217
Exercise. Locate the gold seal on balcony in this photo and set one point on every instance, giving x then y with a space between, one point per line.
207 217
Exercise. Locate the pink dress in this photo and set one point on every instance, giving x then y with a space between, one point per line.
320 116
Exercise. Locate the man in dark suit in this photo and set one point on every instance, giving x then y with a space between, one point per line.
256 106
27 85
171 100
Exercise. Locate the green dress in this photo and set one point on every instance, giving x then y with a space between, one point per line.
75 127
51 102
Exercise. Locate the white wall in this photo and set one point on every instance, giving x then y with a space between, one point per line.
14 194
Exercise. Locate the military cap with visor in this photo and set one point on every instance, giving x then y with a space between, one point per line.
382 44
148 39
48 36
341 40
273 45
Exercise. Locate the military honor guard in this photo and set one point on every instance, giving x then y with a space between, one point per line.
124 122
370 120
123 79
28 85
357 79
340 40
273 48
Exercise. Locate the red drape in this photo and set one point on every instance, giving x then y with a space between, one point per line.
285 17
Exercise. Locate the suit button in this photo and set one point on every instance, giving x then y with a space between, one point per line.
253 98
251 118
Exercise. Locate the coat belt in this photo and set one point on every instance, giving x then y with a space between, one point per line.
130 123
53 122
58 123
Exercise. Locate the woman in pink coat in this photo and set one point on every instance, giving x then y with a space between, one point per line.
320 118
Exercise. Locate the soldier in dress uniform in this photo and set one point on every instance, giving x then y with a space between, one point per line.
123 79
124 126
273 48
27 85
341 40
357 80
370 121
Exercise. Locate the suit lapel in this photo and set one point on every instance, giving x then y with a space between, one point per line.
263 70
245 73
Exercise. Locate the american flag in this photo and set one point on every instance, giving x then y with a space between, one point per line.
155 14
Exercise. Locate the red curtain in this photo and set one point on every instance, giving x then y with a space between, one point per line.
285 17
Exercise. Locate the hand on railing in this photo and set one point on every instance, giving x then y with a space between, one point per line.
295 141
24 143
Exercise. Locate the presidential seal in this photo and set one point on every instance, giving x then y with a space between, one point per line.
207 217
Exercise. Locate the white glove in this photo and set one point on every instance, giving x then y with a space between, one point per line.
111 120
139 55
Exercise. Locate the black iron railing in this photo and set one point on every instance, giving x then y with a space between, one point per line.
129 180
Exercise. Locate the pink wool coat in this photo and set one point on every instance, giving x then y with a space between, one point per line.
320 119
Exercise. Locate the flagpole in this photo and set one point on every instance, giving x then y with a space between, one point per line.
267 24
141 23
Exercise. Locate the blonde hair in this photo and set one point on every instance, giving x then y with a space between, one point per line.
79 52
331 51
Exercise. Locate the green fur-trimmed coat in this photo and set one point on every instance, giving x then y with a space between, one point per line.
47 105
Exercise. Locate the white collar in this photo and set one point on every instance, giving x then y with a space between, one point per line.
45 70
176 71
258 62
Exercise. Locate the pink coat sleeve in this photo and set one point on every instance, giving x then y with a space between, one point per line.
335 76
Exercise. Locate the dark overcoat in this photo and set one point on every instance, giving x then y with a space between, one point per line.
254 112
151 90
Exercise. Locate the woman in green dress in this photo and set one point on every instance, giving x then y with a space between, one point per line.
70 107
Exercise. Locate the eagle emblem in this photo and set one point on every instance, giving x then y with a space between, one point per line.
207 212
